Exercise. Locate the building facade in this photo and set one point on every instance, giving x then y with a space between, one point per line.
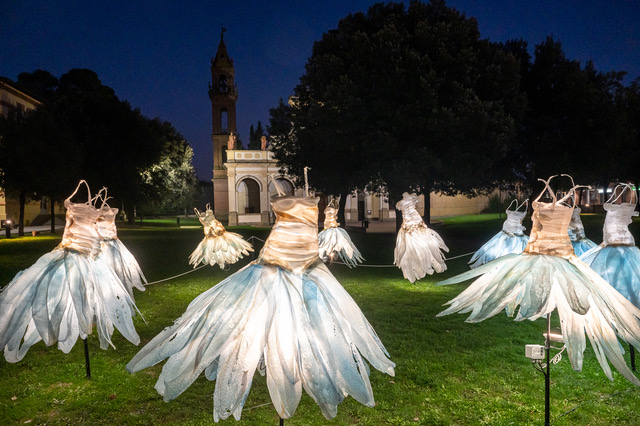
15 100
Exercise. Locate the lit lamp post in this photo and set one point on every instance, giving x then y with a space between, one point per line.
7 228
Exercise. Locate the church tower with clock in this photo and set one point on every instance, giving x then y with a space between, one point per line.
223 93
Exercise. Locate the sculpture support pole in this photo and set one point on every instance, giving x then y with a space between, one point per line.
86 358
281 422
632 353
547 380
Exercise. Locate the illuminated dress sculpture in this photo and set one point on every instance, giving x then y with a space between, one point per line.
114 252
334 240
285 315
510 240
546 276
579 241
418 248
219 246
62 295
617 259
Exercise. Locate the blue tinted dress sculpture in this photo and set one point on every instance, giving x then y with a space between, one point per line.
334 240
114 252
617 259
61 296
546 276
579 241
418 248
219 246
285 315
510 240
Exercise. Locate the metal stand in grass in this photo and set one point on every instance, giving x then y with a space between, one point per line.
86 358
545 368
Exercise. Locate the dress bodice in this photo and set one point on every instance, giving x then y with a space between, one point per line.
616 224
410 216
293 242
513 224
81 232
331 217
549 229
106 223
212 227
576 229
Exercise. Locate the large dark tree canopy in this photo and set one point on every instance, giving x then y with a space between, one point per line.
83 131
411 98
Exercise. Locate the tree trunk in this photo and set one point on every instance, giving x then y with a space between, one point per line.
23 201
341 213
393 199
130 212
426 191
53 215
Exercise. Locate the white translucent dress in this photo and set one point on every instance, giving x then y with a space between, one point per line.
219 246
114 252
61 296
617 259
510 240
284 315
418 248
579 241
334 240
546 276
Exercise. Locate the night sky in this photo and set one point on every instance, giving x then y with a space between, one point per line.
156 55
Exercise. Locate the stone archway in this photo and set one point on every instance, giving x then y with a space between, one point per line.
248 197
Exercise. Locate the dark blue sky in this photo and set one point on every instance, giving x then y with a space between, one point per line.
156 54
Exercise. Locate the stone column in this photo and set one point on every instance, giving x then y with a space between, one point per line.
233 203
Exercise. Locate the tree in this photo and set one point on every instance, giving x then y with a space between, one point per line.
573 116
255 136
83 131
171 184
401 100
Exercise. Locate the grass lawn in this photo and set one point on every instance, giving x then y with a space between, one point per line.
448 372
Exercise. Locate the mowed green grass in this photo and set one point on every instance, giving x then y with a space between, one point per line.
448 372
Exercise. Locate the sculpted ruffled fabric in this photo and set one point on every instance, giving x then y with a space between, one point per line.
61 296
546 276
219 246
290 320
418 249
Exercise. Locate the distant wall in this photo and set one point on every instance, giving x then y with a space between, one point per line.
442 205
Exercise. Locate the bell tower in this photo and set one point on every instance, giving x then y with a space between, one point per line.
223 93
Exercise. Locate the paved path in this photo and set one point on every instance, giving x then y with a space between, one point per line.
28 230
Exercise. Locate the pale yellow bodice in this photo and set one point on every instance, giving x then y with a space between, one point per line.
293 242
331 217
106 223
410 216
212 227
549 229
81 232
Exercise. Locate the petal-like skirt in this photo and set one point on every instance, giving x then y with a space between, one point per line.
336 241
303 331
539 284
418 252
619 266
124 264
58 299
227 248
500 244
582 245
